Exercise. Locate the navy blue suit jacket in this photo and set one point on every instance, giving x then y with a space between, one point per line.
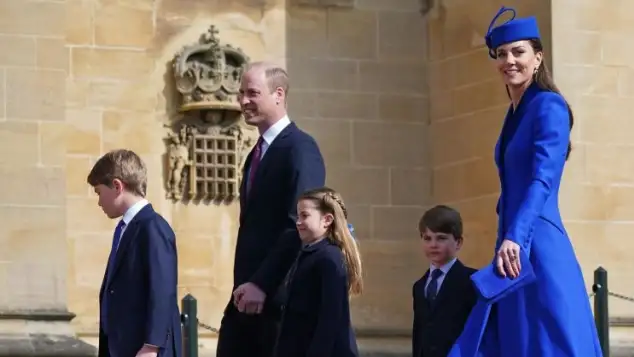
316 317
437 327
142 301
267 238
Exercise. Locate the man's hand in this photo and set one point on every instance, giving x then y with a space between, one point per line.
147 351
248 298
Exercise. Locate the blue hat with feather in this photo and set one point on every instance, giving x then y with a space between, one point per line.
512 30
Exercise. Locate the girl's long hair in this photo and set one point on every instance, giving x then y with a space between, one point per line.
329 201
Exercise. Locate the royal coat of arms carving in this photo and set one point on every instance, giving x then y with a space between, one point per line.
208 144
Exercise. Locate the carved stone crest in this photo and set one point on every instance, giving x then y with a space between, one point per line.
208 145
207 74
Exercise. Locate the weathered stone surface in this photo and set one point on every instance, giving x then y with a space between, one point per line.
34 318
117 24
35 94
41 345
467 105
34 18
327 3
405 109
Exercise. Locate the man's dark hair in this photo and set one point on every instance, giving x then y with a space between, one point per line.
442 219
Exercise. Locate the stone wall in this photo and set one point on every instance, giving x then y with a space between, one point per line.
593 68
33 66
34 255
120 94
358 85
586 51
406 111
467 107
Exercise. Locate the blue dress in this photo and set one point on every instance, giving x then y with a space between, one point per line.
549 316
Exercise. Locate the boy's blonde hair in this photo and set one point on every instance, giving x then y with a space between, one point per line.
121 164
329 201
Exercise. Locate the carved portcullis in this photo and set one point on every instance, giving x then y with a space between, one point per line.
208 144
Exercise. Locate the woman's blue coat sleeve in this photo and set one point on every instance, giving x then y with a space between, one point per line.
551 132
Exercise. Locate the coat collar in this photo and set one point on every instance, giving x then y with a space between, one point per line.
309 248
262 168
515 114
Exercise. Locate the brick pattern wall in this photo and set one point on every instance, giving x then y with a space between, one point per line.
406 111
468 103
592 68
110 103
33 69
360 87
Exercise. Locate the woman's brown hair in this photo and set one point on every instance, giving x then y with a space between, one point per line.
544 80
328 201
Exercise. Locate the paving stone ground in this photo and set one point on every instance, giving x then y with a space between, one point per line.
402 348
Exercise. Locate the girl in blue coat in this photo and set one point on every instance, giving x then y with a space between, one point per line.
533 301
316 314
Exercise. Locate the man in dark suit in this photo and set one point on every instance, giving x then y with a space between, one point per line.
138 305
284 163
445 295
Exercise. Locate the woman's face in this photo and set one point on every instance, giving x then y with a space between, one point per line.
517 62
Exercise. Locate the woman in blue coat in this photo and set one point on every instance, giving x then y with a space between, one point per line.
533 301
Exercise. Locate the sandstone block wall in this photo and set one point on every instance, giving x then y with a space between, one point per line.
33 67
590 58
358 85
468 103
406 110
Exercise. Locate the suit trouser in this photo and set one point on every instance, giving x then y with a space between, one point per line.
243 335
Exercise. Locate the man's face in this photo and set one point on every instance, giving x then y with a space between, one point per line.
256 99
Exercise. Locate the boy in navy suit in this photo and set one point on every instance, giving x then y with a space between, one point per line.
444 296
138 305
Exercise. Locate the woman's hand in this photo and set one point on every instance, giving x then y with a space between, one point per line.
508 259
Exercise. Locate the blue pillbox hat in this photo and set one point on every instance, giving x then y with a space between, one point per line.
510 31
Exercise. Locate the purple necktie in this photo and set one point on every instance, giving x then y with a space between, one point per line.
255 162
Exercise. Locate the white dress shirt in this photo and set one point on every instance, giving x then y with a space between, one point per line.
130 213
271 133
445 269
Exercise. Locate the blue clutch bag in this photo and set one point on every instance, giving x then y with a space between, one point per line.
494 287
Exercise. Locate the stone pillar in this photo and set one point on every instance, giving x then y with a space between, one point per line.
34 319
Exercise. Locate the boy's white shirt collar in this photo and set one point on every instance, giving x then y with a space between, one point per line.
445 268
133 211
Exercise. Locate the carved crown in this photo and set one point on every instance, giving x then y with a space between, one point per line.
207 74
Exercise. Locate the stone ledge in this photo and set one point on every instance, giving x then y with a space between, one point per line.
381 332
41 345
37 315
622 321
346 4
